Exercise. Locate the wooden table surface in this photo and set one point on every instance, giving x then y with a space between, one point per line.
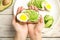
7 31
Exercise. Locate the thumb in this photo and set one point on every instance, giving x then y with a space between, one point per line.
41 19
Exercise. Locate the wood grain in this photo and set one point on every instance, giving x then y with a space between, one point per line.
5 19
29 39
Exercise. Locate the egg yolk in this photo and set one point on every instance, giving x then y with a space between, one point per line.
48 6
23 17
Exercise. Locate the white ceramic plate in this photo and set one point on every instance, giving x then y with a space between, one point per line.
54 11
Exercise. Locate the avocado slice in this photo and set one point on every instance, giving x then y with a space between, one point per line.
49 24
32 14
48 21
37 3
4 4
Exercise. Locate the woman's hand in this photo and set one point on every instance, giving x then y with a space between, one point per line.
21 29
34 30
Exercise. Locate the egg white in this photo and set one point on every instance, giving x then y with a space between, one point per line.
18 17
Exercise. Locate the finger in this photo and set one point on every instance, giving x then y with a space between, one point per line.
32 7
29 7
20 9
41 19
40 24
35 8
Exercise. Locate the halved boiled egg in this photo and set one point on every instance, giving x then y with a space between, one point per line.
48 6
22 17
